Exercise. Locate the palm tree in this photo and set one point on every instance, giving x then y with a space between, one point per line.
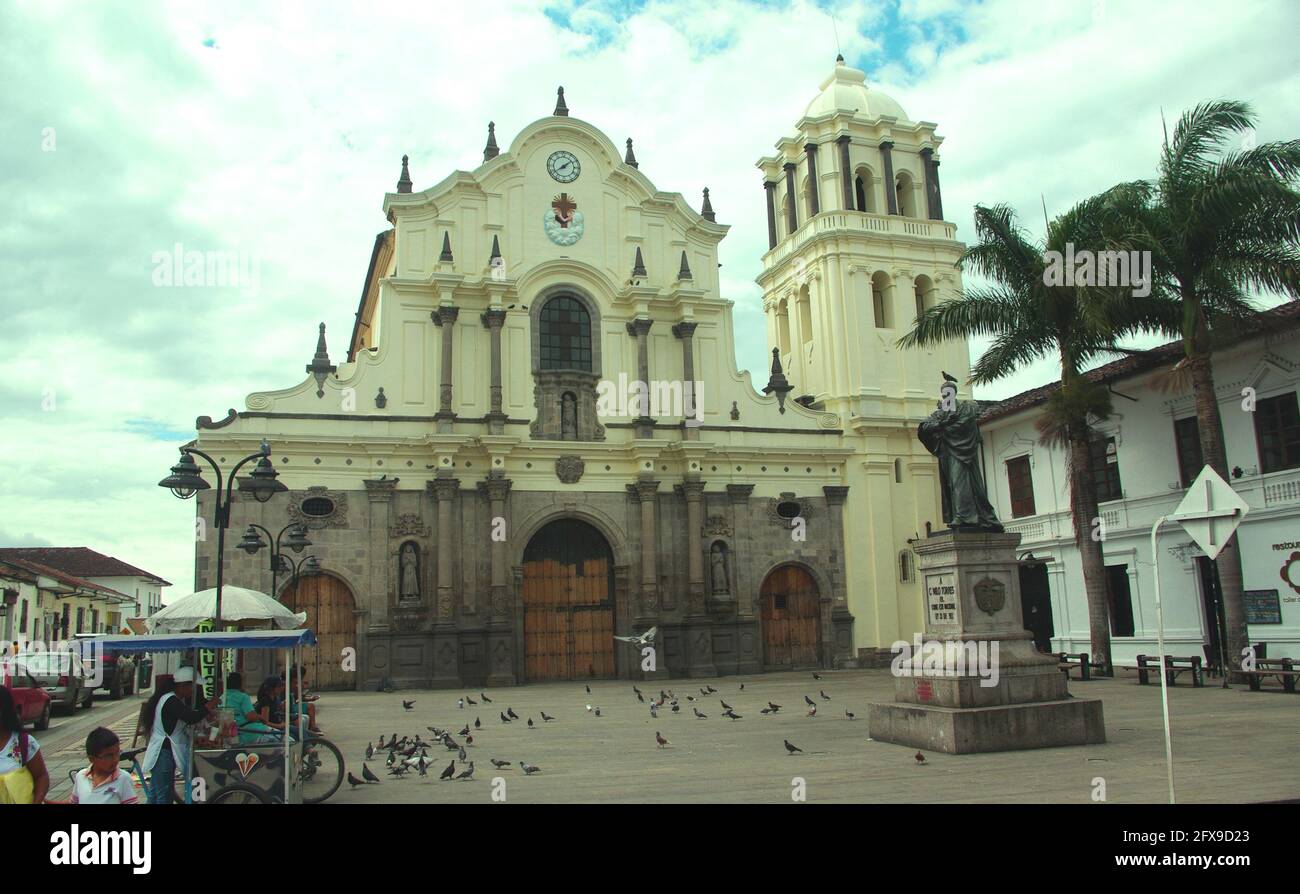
1220 225
1029 318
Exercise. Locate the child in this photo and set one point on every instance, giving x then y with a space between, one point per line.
23 777
103 782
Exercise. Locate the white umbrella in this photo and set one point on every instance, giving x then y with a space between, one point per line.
237 604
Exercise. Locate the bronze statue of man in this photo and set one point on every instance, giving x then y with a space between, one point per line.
952 434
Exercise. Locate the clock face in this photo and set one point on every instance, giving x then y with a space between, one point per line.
563 166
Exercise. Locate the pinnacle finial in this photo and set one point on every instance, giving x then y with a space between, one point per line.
707 211
638 265
629 158
684 272
496 249
320 366
404 182
445 257
839 57
560 107
491 150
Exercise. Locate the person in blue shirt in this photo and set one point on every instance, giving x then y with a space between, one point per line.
252 726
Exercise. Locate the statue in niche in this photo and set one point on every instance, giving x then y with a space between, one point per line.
568 417
409 573
718 557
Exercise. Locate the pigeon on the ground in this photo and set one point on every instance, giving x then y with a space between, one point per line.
408 705
370 752
460 703
354 781
510 712
812 712
504 718
823 694
499 764
547 718
774 706
792 748
742 687
676 708
725 706
732 714
808 701
530 723
661 740
643 640
470 701
849 714
423 766
654 711
486 700
367 775
467 774
398 770
588 689
589 709
478 724
381 741
919 758
529 769
699 715
816 676
462 755
597 710
465 731
765 710
712 690
469 740
449 772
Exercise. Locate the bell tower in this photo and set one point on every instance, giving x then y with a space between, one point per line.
857 247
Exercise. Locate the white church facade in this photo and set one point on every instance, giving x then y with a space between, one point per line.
490 495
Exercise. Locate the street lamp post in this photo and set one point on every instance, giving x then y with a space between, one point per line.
251 543
186 480
307 566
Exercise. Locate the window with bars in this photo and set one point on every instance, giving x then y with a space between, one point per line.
1105 469
1021 482
1187 441
565 335
1277 432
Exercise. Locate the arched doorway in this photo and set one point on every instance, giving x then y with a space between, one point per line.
791 618
329 606
568 595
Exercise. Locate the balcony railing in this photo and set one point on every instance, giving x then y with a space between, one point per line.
858 221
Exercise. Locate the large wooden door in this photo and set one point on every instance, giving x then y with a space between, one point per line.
791 618
329 607
568 603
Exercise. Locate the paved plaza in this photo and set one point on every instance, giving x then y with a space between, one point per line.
1230 746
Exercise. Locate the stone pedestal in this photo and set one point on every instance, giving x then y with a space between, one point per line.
975 682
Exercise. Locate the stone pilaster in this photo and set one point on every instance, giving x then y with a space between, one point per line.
646 492
445 317
792 206
770 189
501 636
744 587
846 171
814 188
841 620
493 320
887 160
640 330
692 410
446 641
379 494
693 491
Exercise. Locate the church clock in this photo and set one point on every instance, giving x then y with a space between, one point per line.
563 166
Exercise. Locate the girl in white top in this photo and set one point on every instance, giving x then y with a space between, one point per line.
103 782
19 750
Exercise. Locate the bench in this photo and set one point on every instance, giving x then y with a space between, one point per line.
1285 669
1174 665
1070 660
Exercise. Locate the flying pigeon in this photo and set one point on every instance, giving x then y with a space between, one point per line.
547 718
661 740
529 769
499 764
919 758
467 774
449 772
354 781
510 712
408 705
823 694
792 748
643 640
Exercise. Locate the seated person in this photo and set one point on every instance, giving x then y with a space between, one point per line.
295 708
252 728
103 782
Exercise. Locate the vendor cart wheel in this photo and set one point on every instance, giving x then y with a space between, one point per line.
326 771
238 793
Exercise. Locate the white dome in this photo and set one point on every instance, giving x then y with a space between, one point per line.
845 90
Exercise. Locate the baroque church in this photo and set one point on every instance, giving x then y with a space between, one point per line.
539 438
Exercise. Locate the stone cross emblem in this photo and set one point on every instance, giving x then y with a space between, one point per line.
990 595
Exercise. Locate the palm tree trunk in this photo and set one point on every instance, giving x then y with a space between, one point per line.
1209 424
1083 508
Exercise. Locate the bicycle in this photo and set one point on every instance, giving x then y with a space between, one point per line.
232 793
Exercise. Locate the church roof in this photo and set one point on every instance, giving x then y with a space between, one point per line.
845 90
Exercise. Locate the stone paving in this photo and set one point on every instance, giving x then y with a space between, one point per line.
1229 746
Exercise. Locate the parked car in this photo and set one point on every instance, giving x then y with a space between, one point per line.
62 675
117 671
33 702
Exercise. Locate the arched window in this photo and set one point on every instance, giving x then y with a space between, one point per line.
881 295
805 316
783 327
864 189
906 194
565 335
925 293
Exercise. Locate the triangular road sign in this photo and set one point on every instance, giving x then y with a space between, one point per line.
1210 512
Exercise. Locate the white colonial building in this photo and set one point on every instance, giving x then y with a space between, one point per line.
1146 456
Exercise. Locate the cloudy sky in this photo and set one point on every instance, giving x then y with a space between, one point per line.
274 129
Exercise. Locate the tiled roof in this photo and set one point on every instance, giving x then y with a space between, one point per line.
80 561
1285 316
59 575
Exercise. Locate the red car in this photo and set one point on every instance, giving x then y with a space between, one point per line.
32 701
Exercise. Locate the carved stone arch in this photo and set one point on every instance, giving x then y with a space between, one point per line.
602 522
550 386
583 297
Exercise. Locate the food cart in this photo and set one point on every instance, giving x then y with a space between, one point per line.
266 773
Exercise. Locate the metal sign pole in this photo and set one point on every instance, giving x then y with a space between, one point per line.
1160 649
